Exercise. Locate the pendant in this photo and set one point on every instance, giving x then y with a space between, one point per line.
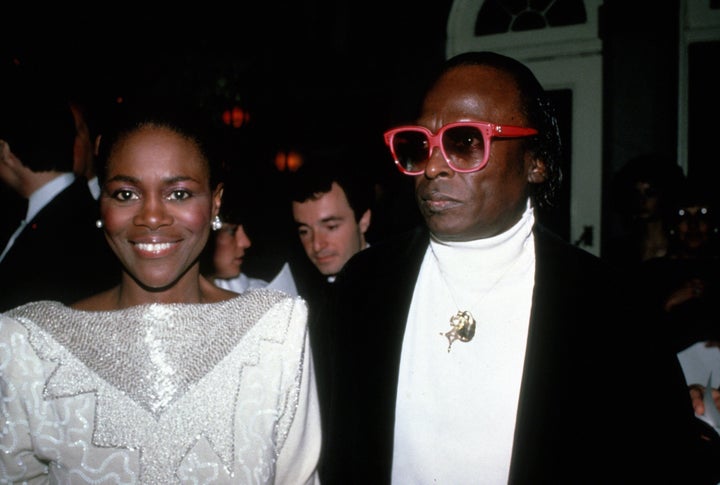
462 328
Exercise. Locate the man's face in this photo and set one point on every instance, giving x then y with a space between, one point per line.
482 204
328 230
83 148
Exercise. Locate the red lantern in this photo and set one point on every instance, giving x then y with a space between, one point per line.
235 117
288 161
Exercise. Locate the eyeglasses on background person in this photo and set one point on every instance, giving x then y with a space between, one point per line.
465 145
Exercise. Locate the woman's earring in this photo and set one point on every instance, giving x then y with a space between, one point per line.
216 223
99 223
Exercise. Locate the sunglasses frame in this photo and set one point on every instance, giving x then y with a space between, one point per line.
487 129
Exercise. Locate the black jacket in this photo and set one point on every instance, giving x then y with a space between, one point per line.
61 254
602 398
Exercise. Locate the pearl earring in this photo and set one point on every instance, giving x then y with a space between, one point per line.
216 223
99 223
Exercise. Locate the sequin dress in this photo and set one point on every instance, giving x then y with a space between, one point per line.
160 393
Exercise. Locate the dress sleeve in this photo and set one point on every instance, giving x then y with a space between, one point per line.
298 459
22 407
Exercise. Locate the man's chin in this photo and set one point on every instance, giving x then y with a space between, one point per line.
326 269
443 226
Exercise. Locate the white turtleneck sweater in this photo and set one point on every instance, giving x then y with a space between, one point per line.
456 411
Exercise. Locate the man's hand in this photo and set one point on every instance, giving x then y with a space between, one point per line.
697 392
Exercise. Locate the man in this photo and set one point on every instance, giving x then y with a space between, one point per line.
86 140
331 207
481 348
639 196
56 252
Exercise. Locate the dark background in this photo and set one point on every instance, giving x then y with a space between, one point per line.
313 76
321 74
306 70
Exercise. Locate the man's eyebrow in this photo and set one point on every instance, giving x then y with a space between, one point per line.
331 218
324 220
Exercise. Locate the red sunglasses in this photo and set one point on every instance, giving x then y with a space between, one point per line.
465 145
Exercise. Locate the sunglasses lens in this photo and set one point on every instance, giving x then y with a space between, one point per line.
411 149
464 146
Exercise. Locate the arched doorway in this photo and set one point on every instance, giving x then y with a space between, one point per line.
559 42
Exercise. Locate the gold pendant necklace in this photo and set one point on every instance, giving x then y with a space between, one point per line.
462 323
462 327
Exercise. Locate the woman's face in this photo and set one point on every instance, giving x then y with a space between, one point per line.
156 206
692 226
231 241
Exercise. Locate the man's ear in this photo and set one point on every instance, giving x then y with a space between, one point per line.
7 157
96 145
4 149
364 221
538 171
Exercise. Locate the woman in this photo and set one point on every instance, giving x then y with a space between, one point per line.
224 255
165 378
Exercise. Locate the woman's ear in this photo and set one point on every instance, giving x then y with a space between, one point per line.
217 198
538 171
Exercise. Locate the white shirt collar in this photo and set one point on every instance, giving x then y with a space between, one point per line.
47 192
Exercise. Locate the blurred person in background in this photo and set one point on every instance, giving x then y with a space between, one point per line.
227 249
640 191
332 210
331 201
684 285
55 251
88 114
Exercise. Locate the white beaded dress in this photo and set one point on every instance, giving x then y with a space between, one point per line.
161 393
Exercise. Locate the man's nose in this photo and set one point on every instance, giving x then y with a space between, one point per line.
436 164
319 241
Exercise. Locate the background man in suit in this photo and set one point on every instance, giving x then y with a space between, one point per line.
56 252
331 208
88 119
331 202
480 348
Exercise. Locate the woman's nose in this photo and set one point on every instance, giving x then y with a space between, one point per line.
241 238
153 214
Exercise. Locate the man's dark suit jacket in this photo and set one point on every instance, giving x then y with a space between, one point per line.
60 254
602 400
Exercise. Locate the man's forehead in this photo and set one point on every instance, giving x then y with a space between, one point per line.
330 206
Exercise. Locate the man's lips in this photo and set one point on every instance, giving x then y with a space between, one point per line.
439 202
324 259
